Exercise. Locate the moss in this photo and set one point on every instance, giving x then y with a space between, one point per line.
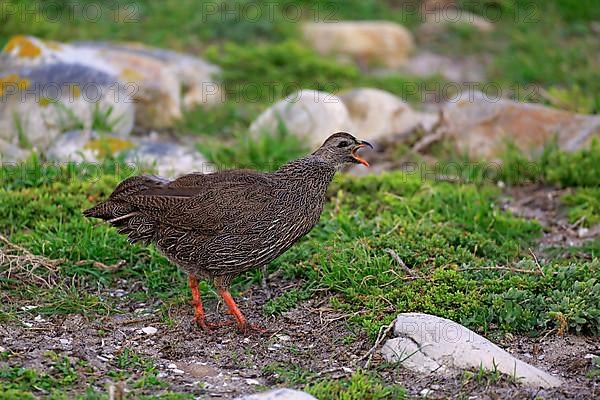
105 146
23 46
13 80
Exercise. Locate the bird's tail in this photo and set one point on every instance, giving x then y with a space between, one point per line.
125 215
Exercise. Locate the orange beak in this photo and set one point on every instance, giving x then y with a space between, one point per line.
360 146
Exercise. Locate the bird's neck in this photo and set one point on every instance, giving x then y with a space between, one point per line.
311 172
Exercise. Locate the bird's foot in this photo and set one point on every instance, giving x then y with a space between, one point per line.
210 326
247 329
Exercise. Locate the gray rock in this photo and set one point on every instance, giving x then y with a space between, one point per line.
309 114
169 159
429 344
457 70
278 394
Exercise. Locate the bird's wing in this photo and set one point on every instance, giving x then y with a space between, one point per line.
209 204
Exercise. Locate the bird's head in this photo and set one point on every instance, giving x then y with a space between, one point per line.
341 148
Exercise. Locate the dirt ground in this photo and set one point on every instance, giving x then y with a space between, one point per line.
311 337
312 340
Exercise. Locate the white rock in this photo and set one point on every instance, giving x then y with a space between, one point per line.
309 114
149 330
169 159
425 392
172 366
278 394
252 382
33 116
365 42
428 344
197 78
177 371
85 145
64 341
12 153
376 113
2 349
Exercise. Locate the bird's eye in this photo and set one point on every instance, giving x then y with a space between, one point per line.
343 144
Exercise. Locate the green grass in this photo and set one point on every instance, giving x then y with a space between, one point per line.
262 151
583 204
551 167
545 43
288 300
360 385
447 236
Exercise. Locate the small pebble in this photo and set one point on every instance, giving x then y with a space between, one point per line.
27 308
177 371
172 366
2 349
64 341
149 330
246 340
435 387
285 338
347 370
102 358
425 392
252 382
39 318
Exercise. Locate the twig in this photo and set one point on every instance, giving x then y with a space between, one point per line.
399 261
501 268
537 263
380 336
102 266
427 141
436 135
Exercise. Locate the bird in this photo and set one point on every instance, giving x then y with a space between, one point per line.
216 226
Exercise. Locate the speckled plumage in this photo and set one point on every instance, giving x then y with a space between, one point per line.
219 225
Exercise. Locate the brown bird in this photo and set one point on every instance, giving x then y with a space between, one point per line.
216 226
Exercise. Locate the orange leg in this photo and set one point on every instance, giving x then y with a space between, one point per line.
243 325
199 315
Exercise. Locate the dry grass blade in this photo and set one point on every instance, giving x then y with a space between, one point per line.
501 268
383 332
18 262
401 263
